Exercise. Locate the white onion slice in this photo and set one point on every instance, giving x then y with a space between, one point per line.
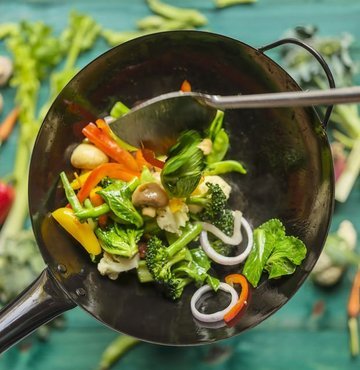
223 260
216 316
235 239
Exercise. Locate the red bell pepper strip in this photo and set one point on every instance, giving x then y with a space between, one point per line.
242 301
141 161
112 170
101 140
149 157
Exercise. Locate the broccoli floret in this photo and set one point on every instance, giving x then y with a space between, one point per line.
214 202
160 260
225 222
119 240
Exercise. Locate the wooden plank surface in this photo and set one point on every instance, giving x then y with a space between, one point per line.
294 338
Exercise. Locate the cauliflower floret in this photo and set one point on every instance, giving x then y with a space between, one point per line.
225 187
112 265
173 221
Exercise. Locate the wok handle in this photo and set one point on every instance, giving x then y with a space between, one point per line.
317 56
42 301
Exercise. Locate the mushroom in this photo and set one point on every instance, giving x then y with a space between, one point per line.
150 194
6 69
87 157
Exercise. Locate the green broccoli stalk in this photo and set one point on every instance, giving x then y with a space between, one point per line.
120 241
160 260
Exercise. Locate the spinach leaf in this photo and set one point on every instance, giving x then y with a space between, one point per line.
274 252
118 196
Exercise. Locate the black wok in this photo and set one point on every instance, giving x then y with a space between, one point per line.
286 153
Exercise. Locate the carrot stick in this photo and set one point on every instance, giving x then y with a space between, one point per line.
353 309
354 299
8 124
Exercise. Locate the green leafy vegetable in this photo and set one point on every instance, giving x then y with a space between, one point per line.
118 197
119 240
273 251
184 166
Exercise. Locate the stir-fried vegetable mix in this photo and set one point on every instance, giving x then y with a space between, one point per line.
169 218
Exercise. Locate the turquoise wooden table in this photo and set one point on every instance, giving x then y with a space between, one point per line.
295 337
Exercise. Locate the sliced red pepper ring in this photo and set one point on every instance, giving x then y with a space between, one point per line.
149 157
109 146
112 170
242 301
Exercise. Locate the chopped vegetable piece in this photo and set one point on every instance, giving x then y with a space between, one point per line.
97 200
273 251
185 86
81 231
118 197
149 157
110 147
112 170
353 313
183 168
216 316
224 260
220 168
140 160
119 109
242 301
69 193
119 240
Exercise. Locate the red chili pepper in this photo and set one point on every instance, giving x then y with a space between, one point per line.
101 140
112 170
149 156
185 86
7 195
242 301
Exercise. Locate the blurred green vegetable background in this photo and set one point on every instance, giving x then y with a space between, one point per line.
48 42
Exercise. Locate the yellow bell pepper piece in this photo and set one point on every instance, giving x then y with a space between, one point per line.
81 231
79 181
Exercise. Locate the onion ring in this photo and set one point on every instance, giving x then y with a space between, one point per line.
223 260
235 239
216 316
